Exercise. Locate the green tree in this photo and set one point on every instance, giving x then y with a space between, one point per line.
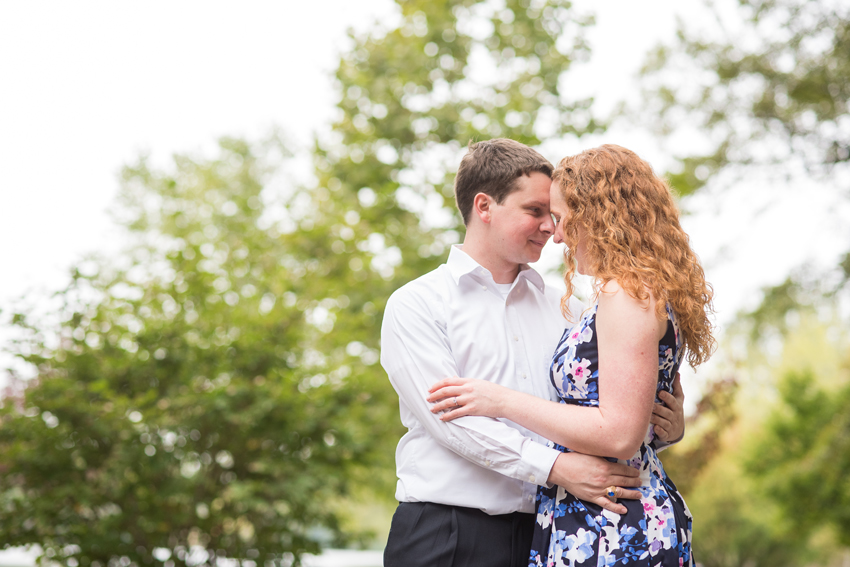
760 462
214 391
767 86
804 453
188 396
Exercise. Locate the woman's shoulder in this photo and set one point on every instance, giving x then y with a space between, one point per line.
619 306
613 295
614 290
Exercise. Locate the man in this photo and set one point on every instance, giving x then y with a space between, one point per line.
467 488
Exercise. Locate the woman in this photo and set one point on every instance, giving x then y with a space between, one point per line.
621 227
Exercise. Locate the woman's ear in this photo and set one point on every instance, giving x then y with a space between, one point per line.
482 206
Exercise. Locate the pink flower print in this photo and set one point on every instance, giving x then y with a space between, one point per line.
648 506
580 370
581 334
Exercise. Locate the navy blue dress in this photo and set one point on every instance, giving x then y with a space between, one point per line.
656 530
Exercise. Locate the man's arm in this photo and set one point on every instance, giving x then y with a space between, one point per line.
416 353
587 478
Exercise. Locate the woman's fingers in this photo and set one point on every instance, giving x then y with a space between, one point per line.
453 381
444 394
455 413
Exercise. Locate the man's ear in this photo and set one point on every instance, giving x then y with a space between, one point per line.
482 206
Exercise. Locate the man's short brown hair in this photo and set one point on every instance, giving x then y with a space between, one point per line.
492 167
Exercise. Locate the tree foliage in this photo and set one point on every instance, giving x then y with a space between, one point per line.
805 453
213 392
761 464
191 397
766 86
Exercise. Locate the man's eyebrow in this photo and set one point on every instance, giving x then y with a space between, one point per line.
537 204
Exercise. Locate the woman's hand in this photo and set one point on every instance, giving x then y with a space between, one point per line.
457 397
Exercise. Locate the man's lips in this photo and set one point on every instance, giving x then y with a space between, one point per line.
540 243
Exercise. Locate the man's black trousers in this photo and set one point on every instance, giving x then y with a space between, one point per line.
435 535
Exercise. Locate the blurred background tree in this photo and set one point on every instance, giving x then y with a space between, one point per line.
764 88
758 91
213 392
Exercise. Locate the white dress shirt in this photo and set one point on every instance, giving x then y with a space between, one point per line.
455 321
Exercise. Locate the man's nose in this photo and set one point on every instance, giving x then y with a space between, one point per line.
548 225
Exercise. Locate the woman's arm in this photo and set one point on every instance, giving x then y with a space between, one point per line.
627 337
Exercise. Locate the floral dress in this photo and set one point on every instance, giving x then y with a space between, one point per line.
656 530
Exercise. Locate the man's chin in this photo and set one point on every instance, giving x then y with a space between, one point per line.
531 258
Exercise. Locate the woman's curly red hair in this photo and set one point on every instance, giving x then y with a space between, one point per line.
633 236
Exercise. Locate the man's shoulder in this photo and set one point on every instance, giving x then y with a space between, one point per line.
554 297
424 289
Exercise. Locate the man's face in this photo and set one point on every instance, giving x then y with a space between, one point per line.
561 215
522 225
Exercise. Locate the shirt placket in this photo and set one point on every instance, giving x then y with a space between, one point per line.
520 345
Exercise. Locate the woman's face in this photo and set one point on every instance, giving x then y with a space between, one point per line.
561 215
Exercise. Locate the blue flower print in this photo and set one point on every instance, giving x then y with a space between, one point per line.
656 530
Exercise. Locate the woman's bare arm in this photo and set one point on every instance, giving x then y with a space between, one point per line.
627 336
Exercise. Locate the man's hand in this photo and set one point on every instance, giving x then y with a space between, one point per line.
669 417
588 478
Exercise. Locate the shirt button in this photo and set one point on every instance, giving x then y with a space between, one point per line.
484 287
531 479
530 498
487 463
516 338
525 375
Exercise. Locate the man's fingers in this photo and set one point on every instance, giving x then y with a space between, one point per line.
678 392
660 412
668 399
625 481
609 505
661 424
629 494
616 471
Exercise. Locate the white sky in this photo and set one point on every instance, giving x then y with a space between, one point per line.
86 86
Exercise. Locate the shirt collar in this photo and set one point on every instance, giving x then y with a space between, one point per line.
460 264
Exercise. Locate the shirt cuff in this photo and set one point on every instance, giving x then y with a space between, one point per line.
537 463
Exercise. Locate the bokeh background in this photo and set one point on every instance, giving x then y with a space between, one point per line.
206 205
